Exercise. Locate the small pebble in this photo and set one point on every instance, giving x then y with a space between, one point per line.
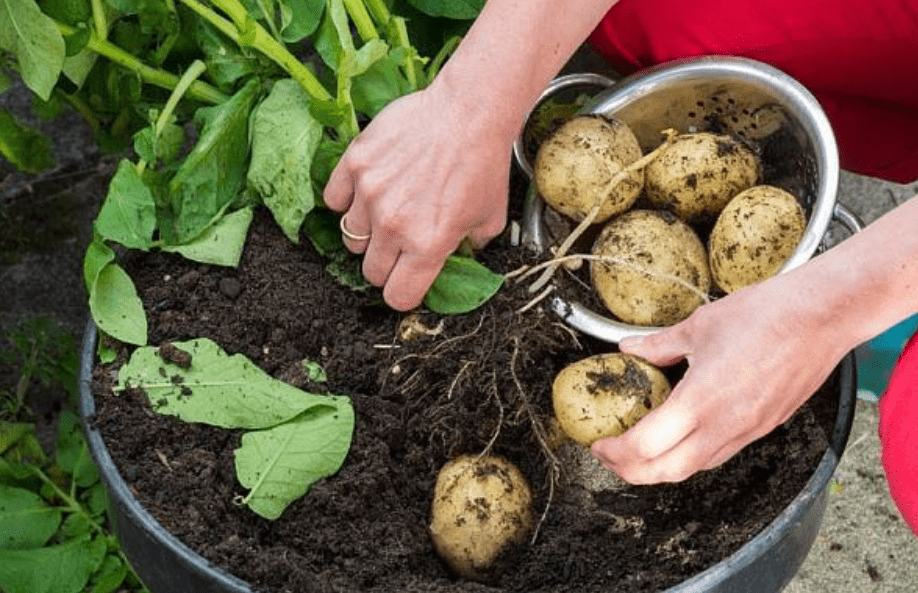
230 287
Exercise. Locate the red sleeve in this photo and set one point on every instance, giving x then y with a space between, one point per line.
899 433
860 60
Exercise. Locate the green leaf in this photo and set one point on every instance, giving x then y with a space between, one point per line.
128 215
115 306
72 454
35 41
161 150
222 243
213 173
280 464
382 83
216 389
454 9
285 137
28 149
462 286
64 568
110 575
226 63
97 256
25 520
12 433
300 18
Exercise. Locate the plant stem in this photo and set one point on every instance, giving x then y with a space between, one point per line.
254 35
379 10
99 20
358 13
188 78
161 78
270 19
72 504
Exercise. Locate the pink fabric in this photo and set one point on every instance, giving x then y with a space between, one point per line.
899 433
859 58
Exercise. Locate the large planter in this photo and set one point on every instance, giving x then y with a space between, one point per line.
763 565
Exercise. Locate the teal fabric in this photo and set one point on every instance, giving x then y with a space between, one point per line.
876 358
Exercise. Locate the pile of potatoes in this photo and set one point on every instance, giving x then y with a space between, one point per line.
651 266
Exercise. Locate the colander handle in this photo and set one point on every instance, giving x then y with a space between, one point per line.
847 218
559 84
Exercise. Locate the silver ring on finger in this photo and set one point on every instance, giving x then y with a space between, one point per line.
349 234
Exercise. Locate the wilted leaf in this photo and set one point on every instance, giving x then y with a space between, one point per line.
462 286
128 215
222 243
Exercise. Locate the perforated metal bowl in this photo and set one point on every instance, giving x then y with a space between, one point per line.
713 93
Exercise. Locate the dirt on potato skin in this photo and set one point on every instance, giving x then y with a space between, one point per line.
480 381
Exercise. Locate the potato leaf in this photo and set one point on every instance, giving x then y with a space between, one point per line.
213 173
222 243
36 42
25 520
280 464
217 389
128 215
29 150
300 18
285 137
64 568
462 286
71 452
115 306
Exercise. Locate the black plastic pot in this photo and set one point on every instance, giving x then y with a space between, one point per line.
763 565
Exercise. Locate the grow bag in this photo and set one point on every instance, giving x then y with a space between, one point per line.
765 564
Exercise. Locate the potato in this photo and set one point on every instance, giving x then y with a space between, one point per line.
574 166
699 173
605 395
754 236
481 505
660 272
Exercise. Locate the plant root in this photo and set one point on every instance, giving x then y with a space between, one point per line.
597 204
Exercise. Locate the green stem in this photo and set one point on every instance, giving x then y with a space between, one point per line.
401 38
196 69
99 20
81 107
162 52
358 13
72 504
256 36
270 20
379 10
161 78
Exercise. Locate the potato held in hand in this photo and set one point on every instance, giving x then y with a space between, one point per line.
480 506
754 236
574 167
656 268
605 395
698 175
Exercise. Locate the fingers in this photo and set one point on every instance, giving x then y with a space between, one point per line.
339 191
661 348
409 281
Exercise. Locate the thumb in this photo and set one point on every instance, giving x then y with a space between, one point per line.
661 348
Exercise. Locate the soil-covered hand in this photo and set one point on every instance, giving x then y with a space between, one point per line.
754 358
422 177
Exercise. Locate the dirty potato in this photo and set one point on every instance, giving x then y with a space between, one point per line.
754 236
652 268
605 395
480 506
699 173
575 165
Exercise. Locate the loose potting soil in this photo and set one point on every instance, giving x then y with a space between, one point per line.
452 385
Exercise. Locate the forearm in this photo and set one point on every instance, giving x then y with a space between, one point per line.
510 54
864 285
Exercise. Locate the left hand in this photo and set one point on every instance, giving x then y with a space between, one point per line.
754 357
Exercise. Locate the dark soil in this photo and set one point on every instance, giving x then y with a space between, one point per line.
483 380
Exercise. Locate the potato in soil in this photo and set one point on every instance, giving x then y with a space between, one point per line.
754 236
655 271
698 175
481 505
605 395
574 167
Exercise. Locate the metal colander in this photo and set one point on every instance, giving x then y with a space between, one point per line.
732 95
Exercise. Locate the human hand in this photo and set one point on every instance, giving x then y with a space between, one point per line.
754 357
421 178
